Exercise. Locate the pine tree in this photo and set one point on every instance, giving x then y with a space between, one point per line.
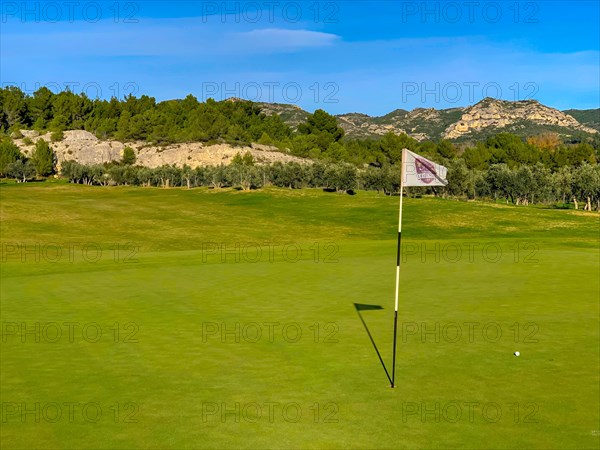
43 158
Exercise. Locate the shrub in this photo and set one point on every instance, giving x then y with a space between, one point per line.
57 136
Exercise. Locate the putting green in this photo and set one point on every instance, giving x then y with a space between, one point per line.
151 318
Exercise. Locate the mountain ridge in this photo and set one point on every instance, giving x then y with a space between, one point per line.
488 116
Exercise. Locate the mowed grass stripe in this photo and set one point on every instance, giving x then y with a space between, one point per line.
173 294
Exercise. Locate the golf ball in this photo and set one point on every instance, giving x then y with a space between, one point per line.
517 353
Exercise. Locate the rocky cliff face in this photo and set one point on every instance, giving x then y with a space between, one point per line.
85 148
499 114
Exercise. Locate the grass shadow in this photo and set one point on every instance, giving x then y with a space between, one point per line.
362 307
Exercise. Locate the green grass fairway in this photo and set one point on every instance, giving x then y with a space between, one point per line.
152 335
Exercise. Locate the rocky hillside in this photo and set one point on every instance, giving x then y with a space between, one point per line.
290 114
419 123
473 123
85 148
587 117
515 117
485 118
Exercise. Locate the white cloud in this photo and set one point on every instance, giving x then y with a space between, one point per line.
155 37
284 39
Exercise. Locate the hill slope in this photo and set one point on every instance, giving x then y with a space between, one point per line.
487 117
588 117
474 123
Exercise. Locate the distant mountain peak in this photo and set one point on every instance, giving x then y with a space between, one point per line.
357 114
486 117
235 99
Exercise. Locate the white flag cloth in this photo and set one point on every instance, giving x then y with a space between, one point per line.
419 171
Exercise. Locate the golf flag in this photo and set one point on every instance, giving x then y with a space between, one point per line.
416 171
419 171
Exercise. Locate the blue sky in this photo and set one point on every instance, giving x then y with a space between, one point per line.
371 57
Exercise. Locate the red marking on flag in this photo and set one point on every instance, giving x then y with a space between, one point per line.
425 170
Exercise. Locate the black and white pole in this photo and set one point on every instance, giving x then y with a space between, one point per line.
398 253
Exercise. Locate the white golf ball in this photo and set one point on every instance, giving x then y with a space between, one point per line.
517 353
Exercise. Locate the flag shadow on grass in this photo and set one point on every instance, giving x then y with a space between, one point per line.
362 307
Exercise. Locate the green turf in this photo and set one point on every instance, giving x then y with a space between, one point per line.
166 285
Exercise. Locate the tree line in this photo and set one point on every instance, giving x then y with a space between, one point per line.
140 119
522 185
242 122
14 164
539 169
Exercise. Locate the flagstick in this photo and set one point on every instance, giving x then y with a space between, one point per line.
398 253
